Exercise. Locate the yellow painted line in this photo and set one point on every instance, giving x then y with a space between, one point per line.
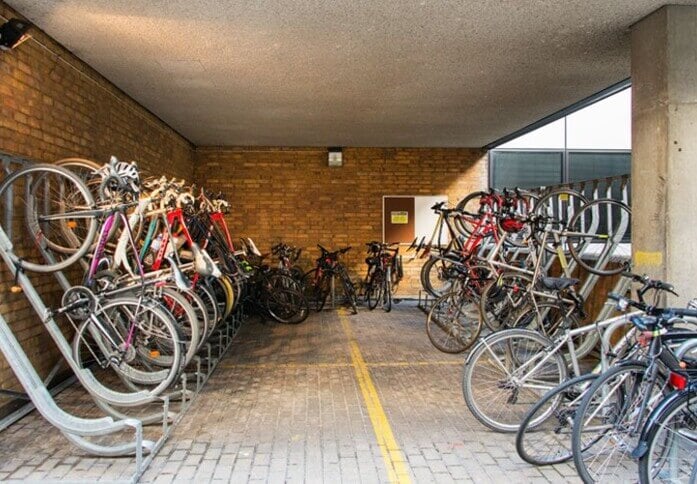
406 364
391 452
286 365
377 364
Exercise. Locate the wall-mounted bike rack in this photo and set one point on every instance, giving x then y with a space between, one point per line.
616 188
76 429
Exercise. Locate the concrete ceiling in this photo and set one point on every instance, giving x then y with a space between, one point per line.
349 72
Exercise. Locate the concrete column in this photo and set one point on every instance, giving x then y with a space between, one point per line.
664 146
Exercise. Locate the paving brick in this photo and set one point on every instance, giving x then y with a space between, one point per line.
233 431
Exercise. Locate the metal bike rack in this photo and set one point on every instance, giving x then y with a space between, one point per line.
76 429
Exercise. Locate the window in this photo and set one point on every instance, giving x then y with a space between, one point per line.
593 142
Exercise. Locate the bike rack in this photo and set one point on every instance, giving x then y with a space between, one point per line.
616 187
76 429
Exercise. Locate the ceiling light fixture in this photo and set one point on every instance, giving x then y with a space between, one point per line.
335 156
12 33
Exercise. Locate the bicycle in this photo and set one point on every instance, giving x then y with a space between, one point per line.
378 284
508 371
318 280
612 414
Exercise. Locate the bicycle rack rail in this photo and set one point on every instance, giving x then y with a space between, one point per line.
76 429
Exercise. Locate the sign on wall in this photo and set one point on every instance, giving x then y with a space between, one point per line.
405 218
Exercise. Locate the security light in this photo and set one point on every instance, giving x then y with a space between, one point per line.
12 33
335 156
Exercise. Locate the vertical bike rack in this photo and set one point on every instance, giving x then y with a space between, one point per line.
76 429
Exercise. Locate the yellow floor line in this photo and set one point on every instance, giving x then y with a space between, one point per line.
286 365
319 364
400 364
391 452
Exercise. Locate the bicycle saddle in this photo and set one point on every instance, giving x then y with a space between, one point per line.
203 264
557 283
181 281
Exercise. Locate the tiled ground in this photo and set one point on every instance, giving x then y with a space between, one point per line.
285 406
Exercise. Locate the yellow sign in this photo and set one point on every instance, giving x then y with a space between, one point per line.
399 218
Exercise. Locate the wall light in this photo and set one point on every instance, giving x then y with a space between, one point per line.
12 33
335 156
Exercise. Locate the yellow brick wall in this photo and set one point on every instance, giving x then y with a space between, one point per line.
291 195
52 105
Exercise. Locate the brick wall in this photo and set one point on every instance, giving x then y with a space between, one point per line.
52 106
291 195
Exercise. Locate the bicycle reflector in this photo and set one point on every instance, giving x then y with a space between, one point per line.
677 381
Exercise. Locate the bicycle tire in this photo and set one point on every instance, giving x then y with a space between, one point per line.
349 290
201 310
560 204
148 369
374 289
67 239
608 405
674 428
466 204
502 299
387 292
287 306
549 440
513 346
444 318
290 296
433 270
592 229
316 289
185 318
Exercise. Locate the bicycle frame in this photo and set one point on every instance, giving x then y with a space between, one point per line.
566 339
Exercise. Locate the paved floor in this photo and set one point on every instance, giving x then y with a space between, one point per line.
362 398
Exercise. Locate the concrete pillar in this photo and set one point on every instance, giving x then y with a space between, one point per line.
664 147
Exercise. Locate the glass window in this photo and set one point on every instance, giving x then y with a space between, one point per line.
526 169
550 136
605 125
591 165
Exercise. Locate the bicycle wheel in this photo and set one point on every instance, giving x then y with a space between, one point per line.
434 278
316 289
185 318
350 290
671 443
387 291
559 206
287 305
373 291
87 170
60 217
506 373
211 306
549 440
285 301
502 299
608 422
137 340
472 204
598 237
200 309
453 323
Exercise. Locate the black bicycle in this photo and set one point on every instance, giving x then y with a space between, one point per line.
384 273
318 280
